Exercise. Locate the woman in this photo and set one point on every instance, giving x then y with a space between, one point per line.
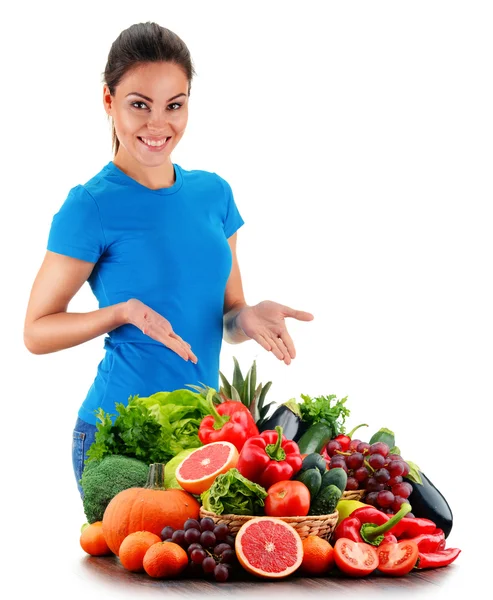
157 244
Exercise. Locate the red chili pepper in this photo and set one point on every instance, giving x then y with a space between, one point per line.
368 524
269 457
229 422
345 439
430 542
439 558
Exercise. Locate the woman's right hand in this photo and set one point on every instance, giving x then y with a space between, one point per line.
157 327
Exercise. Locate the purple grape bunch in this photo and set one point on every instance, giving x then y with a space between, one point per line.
375 469
210 547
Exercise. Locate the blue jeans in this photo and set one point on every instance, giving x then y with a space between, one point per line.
83 437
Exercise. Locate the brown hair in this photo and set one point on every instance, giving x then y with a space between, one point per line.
141 43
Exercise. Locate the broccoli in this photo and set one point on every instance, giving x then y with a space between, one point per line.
103 479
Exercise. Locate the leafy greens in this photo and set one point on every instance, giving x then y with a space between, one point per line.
231 493
152 429
320 409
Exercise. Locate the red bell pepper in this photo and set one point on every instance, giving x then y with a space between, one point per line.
439 558
368 524
229 422
410 527
430 542
269 457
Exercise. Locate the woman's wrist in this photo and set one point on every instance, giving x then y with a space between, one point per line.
233 332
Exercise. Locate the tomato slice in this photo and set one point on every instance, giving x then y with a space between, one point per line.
355 558
397 559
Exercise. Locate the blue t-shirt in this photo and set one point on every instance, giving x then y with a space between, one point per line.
169 249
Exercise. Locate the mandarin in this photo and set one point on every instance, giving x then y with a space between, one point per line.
92 540
165 560
318 556
134 547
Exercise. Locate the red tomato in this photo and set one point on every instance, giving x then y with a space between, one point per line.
355 558
397 559
287 499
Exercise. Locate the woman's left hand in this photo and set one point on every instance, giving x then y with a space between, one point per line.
264 323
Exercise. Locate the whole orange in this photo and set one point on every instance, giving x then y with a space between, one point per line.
318 556
92 540
134 547
165 560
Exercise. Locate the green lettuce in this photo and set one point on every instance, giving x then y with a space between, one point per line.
231 493
153 429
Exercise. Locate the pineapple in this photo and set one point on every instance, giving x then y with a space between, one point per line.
242 389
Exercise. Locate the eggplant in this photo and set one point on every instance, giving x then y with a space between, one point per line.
292 425
427 502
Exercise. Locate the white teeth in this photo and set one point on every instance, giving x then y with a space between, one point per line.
152 143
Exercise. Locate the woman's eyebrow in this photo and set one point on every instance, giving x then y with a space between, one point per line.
150 99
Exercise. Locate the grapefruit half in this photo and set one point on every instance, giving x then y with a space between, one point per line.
269 547
196 472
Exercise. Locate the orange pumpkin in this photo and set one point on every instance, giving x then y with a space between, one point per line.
150 508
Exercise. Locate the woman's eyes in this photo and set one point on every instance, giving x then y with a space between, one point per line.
174 104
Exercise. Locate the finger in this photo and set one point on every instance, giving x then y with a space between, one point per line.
301 315
175 345
288 342
168 331
156 333
275 349
186 345
262 341
284 351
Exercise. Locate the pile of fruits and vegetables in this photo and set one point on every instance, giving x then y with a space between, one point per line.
210 484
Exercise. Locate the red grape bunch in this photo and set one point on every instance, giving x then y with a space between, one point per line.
373 468
210 547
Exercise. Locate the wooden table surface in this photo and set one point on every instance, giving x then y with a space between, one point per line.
110 570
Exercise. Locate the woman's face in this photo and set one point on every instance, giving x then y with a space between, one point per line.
150 105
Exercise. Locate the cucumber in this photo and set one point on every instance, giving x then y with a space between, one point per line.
335 476
326 501
314 460
315 438
312 479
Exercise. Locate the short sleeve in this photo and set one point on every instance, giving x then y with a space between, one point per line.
232 218
76 228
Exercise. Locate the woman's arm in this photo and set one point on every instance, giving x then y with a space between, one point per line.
264 322
48 327
234 300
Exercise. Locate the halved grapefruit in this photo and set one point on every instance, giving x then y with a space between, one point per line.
196 472
268 547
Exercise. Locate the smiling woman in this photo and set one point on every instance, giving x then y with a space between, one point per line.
149 112
123 231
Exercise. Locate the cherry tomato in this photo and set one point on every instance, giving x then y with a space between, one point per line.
397 559
287 499
355 558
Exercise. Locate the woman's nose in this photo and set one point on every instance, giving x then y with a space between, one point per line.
158 121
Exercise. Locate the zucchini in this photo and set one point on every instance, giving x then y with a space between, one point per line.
335 476
326 501
314 460
315 438
312 479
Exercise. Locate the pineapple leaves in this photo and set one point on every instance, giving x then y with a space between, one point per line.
238 380
245 390
226 389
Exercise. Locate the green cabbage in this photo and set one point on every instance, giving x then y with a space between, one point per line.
231 493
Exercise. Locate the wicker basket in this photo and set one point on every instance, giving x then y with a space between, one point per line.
322 525
353 495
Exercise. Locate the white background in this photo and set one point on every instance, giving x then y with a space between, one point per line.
357 138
